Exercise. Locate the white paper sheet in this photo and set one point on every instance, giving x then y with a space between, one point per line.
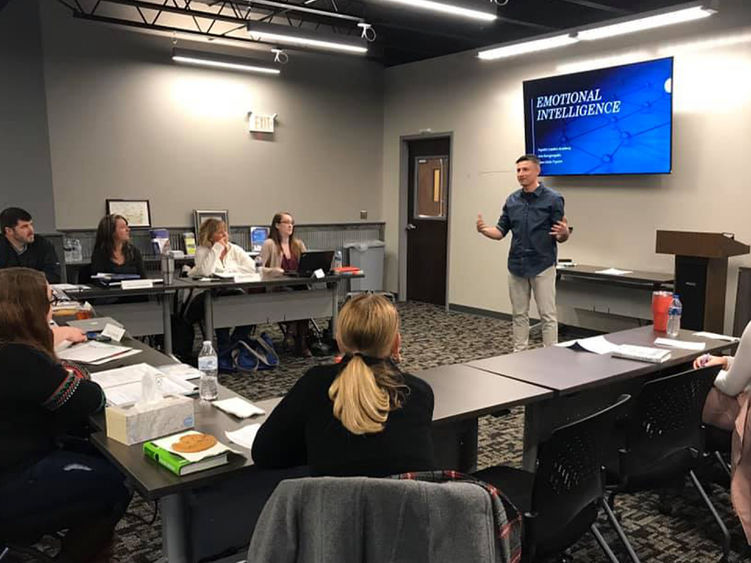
598 345
244 436
715 336
122 386
130 393
238 407
91 351
216 449
66 286
681 344
180 371
614 272
121 376
109 359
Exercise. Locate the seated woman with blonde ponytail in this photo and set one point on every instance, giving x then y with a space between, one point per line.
363 416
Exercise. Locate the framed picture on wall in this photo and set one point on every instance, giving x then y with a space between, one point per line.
136 211
200 215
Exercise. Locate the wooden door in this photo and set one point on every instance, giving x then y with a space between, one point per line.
427 219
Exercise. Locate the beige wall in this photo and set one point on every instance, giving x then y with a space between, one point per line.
125 121
615 218
25 180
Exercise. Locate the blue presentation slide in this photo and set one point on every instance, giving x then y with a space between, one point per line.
615 120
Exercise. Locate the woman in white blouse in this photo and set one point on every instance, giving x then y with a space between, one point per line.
216 254
728 406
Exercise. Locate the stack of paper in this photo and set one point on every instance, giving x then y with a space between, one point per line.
642 353
122 386
180 371
601 345
240 277
96 353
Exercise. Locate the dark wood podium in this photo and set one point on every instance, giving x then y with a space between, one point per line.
701 269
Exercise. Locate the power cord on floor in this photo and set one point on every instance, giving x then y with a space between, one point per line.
142 519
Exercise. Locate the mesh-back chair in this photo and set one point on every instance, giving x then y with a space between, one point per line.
719 442
664 437
561 500
84 274
10 549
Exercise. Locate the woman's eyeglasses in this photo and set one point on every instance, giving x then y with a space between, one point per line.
287 223
54 300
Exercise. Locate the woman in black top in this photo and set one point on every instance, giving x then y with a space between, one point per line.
45 488
113 253
362 417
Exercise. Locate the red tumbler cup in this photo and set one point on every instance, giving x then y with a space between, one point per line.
661 301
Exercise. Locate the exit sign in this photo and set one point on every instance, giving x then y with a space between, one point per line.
261 123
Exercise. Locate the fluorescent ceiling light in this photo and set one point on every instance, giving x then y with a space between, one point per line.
270 32
591 64
648 22
527 47
447 9
220 61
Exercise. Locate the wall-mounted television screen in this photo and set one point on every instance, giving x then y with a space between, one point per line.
615 120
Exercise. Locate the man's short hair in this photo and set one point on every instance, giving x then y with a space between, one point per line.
10 217
529 157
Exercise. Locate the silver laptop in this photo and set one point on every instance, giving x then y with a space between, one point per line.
96 324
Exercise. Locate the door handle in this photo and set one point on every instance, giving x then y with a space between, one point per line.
410 227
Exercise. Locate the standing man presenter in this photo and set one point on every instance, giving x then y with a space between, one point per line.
535 216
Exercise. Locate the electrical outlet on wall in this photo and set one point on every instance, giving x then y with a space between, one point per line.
363 214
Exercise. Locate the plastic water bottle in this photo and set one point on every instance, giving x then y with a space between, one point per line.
674 316
208 365
337 259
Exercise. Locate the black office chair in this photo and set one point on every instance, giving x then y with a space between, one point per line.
664 437
84 274
9 548
561 500
719 443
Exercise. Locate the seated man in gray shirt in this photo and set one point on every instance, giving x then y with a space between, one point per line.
19 246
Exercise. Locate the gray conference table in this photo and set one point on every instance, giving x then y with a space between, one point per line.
152 315
224 502
270 300
177 494
583 381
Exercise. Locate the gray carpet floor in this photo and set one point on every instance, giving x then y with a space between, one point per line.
433 337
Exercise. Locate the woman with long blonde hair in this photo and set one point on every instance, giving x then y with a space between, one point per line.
45 488
216 254
363 416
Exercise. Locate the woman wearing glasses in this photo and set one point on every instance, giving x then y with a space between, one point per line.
44 487
281 253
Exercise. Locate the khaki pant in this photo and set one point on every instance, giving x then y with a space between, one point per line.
543 286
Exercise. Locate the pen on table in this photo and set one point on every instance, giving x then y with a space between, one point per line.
115 355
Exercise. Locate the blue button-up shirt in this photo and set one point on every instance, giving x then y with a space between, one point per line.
530 216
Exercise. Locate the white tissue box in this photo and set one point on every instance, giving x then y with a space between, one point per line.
131 425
